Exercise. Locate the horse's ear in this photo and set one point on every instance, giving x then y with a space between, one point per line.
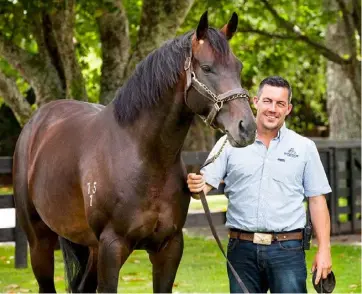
202 27
230 28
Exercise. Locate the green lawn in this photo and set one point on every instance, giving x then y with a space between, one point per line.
202 269
6 190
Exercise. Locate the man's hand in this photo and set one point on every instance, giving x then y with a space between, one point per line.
196 183
321 223
322 264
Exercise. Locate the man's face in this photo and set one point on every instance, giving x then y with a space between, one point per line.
272 107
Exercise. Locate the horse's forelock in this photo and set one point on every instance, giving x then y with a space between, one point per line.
218 42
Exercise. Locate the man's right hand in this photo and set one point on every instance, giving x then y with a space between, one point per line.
196 183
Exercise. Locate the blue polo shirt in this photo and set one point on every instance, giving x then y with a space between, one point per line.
266 186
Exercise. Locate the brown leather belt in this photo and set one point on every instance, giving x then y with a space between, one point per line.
265 238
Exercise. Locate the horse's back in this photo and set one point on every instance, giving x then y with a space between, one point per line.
60 113
52 128
61 119
46 120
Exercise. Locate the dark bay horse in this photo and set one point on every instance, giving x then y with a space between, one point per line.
109 180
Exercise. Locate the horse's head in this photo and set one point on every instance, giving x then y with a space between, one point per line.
213 88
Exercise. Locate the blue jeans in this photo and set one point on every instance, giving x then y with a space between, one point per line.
279 267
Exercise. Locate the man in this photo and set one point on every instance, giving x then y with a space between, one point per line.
265 183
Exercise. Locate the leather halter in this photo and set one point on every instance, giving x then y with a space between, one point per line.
218 100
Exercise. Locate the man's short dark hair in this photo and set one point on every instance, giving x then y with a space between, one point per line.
276 81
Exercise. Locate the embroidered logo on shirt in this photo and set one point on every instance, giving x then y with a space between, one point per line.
281 159
291 153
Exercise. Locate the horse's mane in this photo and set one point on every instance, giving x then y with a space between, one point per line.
158 72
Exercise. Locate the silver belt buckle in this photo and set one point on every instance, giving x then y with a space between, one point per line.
264 239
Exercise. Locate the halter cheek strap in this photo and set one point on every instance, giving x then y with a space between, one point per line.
187 68
218 100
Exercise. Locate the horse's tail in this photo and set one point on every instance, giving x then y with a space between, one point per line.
75 258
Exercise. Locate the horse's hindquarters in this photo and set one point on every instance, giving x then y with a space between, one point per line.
24 207
46 163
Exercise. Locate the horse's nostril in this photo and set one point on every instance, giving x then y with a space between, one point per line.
241 127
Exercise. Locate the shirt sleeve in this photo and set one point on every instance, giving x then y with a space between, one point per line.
216 170
315 180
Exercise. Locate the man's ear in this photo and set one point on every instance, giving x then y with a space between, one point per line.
290 107
255 101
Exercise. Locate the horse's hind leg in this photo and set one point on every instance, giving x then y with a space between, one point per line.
41 239
165 264
42 242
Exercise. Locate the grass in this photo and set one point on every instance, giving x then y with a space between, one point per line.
202 269
5 190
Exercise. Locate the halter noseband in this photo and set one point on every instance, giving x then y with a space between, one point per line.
218 100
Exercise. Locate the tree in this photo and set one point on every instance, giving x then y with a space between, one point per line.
85 50
263 55
39 40
306 24
344 77
50 45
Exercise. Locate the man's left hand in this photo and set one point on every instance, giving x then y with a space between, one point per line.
322 264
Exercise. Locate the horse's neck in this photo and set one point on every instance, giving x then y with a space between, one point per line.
159 132
164 130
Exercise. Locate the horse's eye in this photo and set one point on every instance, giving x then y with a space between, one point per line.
206 68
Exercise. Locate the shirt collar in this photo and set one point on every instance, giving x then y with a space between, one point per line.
282 131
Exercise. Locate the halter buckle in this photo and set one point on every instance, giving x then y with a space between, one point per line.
218 105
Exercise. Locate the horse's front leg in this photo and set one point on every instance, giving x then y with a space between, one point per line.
112 254
165 264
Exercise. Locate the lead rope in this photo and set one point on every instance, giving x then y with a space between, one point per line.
212 227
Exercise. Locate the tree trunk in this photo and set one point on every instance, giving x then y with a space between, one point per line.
63 19
13 98
114 35
343 83
342 102
160 19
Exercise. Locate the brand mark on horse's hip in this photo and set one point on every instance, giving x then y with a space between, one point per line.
92 188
